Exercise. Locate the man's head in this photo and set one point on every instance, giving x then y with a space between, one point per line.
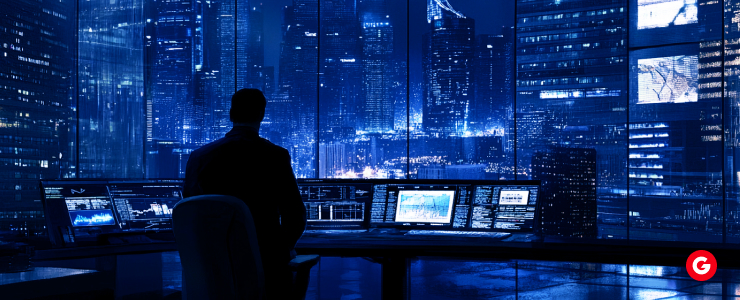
247 107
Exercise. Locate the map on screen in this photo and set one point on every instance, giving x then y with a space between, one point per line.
425 206
672 79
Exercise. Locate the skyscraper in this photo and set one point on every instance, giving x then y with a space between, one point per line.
568 195
572 66
297 86
675 129
448 69
377 67
174 68
36 108
227 47
193 52
732 117
494 81
253 59
340 78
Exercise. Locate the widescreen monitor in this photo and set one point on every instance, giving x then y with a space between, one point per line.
80 212
459 205
424 207
335 204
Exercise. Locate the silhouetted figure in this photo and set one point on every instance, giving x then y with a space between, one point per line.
244 165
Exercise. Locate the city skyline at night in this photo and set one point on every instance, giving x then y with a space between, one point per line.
423 89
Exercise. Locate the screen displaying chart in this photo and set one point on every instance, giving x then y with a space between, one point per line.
424 206
89 210
92 217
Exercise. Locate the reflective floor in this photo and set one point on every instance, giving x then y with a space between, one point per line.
434 278
158 276
444 278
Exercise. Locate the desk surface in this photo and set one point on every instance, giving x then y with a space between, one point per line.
516 246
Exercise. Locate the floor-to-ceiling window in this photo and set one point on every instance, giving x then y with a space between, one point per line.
626 110
362 87
675 120
110 81
461 71
571 112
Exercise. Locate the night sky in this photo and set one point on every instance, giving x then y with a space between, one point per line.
489 16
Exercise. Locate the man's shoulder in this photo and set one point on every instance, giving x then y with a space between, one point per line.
227 143
207 148
275 148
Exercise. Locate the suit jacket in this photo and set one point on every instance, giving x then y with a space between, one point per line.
244 165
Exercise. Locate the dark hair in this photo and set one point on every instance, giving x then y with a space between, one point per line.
247 106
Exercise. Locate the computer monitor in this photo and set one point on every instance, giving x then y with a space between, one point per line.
78 212
338 204
145 205
505 206
464 205
424 207
416 203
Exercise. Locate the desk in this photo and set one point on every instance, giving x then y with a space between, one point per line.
518 246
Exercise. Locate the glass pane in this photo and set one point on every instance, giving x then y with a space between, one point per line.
362 89
189 77
37 103
675 141
111 89
675 131
571 113
462 83
732 120
289 77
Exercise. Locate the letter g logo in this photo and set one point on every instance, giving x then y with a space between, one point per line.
701 265
704 268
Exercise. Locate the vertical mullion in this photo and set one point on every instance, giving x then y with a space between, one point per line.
627 125
77 90
317 155
514 90
236 43
144 101
408 92
722 113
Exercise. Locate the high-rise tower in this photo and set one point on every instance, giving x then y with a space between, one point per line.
36 115
377 68
448 69
568 196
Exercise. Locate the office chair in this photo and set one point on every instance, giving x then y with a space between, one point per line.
219 252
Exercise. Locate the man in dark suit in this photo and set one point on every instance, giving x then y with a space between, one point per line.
244 165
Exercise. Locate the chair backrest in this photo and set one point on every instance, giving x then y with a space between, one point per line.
218 248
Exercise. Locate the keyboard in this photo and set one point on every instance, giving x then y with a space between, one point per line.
335 231
474 234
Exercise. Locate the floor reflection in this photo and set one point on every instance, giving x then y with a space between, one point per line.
442 278
432 278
